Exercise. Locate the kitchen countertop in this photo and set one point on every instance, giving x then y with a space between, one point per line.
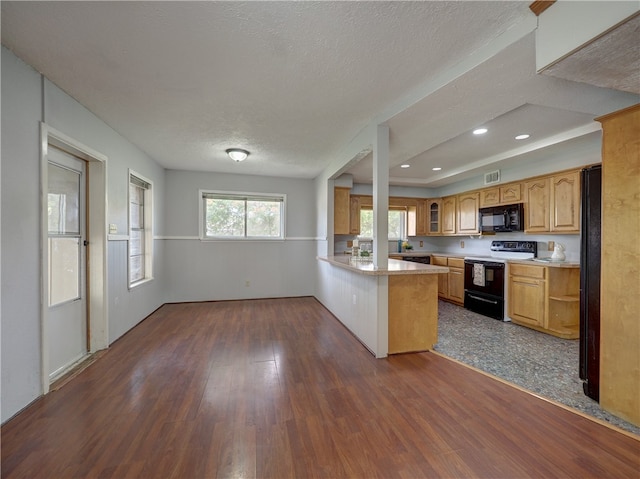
395 267
552 264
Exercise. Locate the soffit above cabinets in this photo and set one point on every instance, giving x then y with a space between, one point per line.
609 61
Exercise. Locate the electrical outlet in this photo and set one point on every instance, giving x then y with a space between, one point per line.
247 283
462 244
421 244
355 299
113 229
551 245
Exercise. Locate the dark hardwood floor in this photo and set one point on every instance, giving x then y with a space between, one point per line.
280 389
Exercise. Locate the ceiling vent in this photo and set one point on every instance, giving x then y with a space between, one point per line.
492 177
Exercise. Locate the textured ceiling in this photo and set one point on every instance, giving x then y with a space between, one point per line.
293 82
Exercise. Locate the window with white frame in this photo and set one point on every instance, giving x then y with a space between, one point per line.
228 215
140 229
397 218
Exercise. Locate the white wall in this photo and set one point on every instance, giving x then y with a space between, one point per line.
214 270
28 99
21 110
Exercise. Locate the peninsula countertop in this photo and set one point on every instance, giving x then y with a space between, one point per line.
395 267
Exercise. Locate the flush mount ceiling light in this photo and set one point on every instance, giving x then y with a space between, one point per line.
237 154
524 136
436 168
405 166
480 131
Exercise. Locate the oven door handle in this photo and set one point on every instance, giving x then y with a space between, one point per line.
482 299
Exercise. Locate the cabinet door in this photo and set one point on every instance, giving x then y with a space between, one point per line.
467 208
341 211
537 217
489 197
434 212
443 279
526 300
354 215
456 284
565 203
449 215
421 218
511 193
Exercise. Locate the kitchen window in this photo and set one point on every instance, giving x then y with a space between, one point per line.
227 215
140 229
397 223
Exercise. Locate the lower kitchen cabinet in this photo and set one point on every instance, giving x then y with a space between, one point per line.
545 298
451 285
456 280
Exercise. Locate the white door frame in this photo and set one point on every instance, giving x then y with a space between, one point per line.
97 304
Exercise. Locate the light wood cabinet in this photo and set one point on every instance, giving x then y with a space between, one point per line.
354 215
421 218
537 218
501 195
565 203
443 279
417 218
434 213
467 213
545 298
341 208
527 293
553 204
451 284
456 280
619 298
449 215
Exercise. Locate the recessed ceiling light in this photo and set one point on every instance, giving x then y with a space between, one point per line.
522 137
405 166
480 131
436 168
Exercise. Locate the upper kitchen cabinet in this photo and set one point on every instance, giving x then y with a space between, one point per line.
449 215
341 210
434 220
501 195
467 213
417 218
354 215
537 218
553 204
565 203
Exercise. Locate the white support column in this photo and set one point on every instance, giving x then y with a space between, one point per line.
381 197
381 234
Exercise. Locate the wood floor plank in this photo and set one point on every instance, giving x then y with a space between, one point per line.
280 389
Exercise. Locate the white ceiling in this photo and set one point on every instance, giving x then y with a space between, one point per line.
295 82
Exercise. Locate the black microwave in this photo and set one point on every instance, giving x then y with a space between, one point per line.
502 219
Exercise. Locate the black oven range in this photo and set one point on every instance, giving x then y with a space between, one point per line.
484 277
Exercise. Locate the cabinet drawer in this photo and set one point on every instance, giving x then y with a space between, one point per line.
439 260
456 262
530 271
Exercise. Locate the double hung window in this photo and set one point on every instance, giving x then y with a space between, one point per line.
397 223
140 229
242 215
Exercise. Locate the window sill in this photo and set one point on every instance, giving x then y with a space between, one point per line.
140 283
240 239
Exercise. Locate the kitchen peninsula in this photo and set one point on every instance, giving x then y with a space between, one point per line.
390 310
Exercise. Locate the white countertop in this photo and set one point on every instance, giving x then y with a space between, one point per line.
395 267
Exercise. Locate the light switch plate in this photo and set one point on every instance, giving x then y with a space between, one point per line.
113 229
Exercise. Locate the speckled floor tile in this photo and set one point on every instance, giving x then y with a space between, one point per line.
538 362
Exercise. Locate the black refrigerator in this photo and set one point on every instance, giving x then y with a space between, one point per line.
590 241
